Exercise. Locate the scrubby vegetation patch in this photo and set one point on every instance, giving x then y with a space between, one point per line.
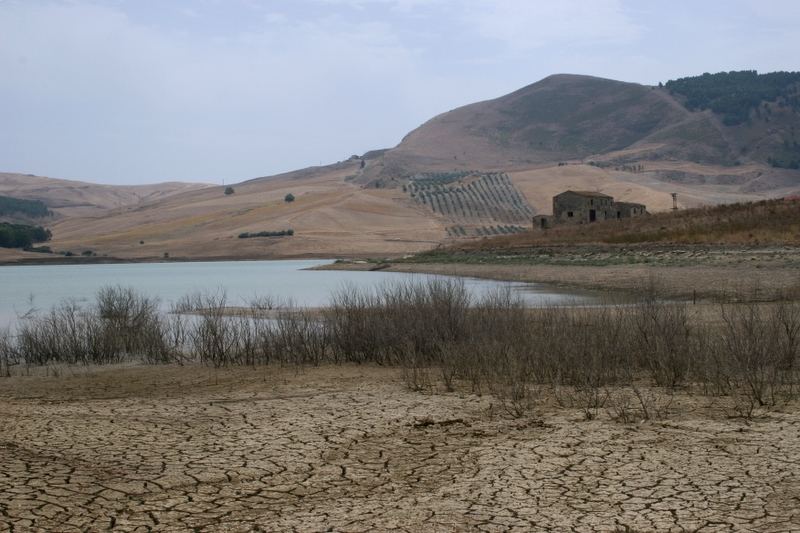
735 94
17 206
21 235
279 233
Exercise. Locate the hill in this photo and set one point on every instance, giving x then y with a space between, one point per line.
479 170
330 216
582 119
78 198
562 117
766 222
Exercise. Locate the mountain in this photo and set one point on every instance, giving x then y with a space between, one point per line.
482 169
559 118
582 119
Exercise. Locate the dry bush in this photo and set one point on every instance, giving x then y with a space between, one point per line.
213 339
395 322
634 403
8 355
588 350
417 373
301 338
758 351
664 341
120 325
128 316
624 359
67 334
514 384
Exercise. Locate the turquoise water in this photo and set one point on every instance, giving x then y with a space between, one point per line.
40 287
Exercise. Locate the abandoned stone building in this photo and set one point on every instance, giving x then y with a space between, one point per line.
584 207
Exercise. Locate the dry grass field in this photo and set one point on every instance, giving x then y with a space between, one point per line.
70 198
334 213
540 184
330 216
350 448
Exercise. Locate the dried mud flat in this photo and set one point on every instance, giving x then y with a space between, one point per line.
715 273
351 449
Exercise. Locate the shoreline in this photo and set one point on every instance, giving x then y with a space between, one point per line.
702 272
762 274
80 260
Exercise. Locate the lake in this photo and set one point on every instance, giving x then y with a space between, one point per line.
26 288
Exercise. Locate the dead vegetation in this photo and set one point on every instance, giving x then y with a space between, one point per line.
626 359
504 417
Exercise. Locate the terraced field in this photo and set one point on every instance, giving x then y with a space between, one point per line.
477 204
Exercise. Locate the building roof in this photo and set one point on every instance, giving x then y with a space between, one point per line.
629 204
594 194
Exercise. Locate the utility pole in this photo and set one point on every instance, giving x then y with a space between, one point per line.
674 201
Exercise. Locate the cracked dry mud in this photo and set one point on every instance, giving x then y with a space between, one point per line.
350 449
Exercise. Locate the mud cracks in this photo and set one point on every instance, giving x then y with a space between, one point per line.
349 449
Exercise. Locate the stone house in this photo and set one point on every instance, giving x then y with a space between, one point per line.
585 207
629 209
580 207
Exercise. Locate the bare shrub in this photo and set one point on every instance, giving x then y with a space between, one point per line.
588 348
513 383
634 403
301 338
212 339
129 317
758 348
66 334
8 355
786 317
664 341
397 321
417 373
627 359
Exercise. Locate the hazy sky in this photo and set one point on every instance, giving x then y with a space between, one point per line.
138 91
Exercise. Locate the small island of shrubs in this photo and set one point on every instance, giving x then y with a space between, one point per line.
280 233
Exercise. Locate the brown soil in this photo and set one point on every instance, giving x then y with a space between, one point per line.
351 449
679 282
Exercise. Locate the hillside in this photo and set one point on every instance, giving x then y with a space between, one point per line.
562 117
330 216
15 210
78 198
767 222
582 119
477 171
